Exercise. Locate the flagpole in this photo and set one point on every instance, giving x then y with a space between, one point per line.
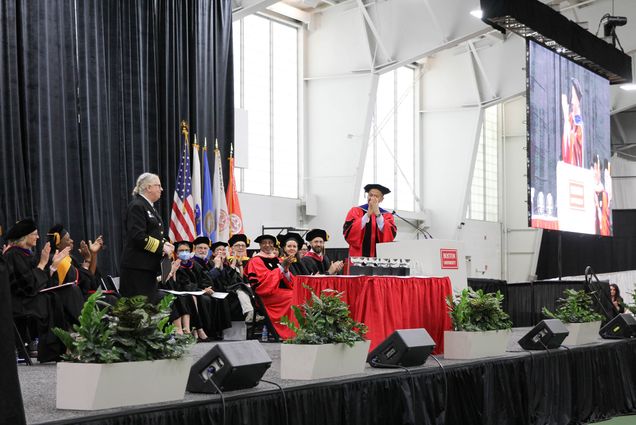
184 130
229 184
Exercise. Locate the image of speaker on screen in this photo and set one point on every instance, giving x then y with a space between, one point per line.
572 140
603 213
568 145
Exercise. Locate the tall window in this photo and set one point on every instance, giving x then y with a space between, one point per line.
484 192
391 155
266 85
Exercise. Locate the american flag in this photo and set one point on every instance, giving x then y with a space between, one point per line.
182 226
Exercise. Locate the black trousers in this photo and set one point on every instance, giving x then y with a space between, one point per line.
139 282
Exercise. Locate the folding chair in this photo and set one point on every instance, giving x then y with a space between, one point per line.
19 344
260 308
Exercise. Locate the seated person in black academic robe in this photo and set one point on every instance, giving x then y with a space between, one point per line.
202 254
184 314
304 249
315 261
214 313
83 272
289 244
28 277
228 278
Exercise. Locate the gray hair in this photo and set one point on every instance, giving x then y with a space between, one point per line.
143 181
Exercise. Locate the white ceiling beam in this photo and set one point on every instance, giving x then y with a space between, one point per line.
249 7
373 29
291 12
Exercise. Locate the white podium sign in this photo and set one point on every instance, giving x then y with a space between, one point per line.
430 257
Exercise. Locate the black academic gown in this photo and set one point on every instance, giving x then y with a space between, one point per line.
56 308
230 280
10 396
298 268
213 313
315 266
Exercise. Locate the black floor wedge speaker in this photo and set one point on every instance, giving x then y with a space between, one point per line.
404 347
620 327
229 365
547 334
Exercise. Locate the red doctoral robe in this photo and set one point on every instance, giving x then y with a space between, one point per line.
361 239
274 290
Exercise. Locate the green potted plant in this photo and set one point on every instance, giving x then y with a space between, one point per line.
576 311
122 355
328 341
480 326
631 307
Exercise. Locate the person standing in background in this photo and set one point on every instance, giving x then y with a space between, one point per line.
368 224
144 243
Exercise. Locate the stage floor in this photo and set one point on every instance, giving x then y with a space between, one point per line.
38 382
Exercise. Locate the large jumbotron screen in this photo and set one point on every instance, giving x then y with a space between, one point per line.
569 181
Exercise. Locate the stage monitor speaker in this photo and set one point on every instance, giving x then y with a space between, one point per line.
229 365
621 326
546 334
404 347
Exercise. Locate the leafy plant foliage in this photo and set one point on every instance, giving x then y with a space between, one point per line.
324 319
132 330
632 307
475 311
576 307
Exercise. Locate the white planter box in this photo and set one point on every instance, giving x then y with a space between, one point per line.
475 345
582 333
298 361
92 386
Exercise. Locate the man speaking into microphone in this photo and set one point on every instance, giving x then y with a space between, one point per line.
369 224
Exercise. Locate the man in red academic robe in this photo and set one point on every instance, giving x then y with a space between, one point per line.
272 282
369 224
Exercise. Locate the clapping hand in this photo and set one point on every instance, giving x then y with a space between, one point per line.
287 261
84 251
168 248
96 246
335 267
374 207
44 255
59 256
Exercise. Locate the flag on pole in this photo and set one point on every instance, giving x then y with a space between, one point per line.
196 186
182 216
219 202
209 220
233 206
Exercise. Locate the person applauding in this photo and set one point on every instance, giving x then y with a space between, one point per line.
290 244
368 224
273 283
316 261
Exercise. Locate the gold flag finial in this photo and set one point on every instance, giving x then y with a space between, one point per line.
185 129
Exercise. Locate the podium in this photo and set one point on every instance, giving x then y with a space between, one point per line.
430 257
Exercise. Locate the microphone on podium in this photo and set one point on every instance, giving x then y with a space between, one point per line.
417 228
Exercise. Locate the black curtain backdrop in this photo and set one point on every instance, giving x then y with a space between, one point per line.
604 254
93 92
